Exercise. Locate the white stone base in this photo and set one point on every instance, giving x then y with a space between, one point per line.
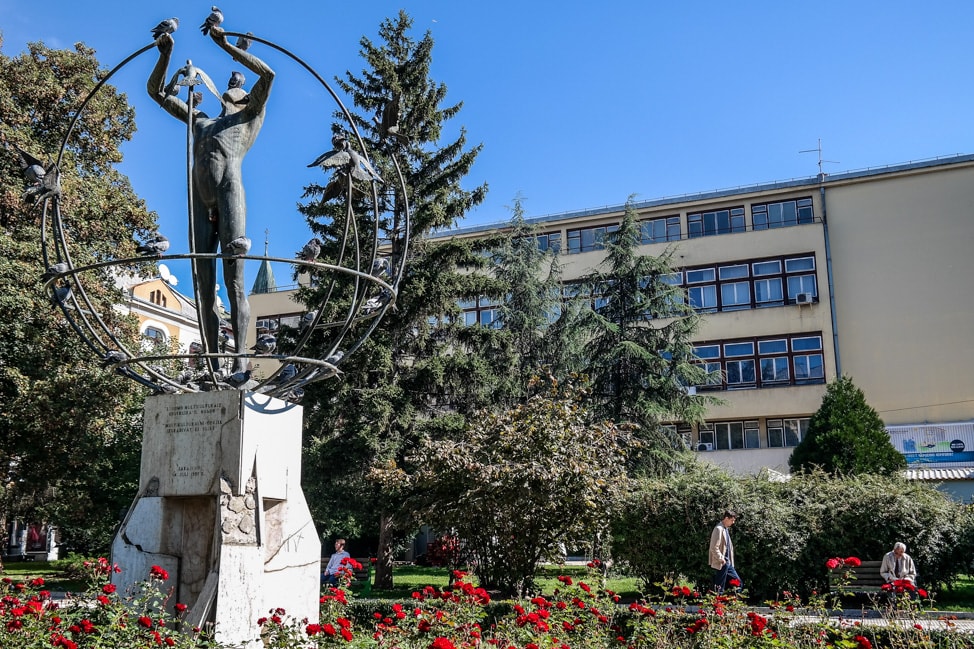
220 508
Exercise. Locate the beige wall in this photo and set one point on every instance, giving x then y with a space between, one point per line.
902 249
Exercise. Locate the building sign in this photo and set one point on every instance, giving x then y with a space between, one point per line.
934 443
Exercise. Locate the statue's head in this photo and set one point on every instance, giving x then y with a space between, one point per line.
236 80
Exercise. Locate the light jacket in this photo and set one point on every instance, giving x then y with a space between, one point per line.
720 546
907 569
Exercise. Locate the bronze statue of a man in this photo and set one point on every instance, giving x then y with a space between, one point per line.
219 207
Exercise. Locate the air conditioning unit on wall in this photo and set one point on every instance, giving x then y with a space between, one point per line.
804 298
705 446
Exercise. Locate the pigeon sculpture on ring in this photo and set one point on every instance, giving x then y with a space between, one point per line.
344 158
55 270
238 247
307 320
154 247
44 182
265 344
244 42
61 296
213 20
167 26
387 121
381 267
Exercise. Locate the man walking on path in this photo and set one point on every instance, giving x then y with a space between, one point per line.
722 554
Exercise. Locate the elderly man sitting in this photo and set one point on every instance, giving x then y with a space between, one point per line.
898 566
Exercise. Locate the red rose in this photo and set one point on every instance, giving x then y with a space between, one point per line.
832 564
734 583
312 629
180 607
145 621
853 562
864 642
158 573
108 589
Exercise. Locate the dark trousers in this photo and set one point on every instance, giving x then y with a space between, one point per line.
724 575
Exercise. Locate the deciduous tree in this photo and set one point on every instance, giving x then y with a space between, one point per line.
519 485
69 435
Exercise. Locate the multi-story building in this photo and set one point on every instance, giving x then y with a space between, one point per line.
864 273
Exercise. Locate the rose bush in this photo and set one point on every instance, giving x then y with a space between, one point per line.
577 615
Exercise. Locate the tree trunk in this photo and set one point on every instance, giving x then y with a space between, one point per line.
383 566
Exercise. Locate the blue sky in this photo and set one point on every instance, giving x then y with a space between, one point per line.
578 105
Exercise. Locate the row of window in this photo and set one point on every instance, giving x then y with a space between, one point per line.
732 435
730 287
762 362
764 216
750 285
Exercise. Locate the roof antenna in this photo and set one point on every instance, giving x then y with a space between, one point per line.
821 174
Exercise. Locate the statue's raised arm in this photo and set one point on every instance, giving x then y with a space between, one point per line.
156 85
257 98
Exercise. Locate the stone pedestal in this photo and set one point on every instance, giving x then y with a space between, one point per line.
220 507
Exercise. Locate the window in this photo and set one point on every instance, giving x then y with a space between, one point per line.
550 241
588 239
809 367
786 432
483 311
740 373
705 434
737 435
735 296
157 297
767 292
701 275
703 298
705 224
657 230
799 264
733 272
154 334
774 369
801 284
783 214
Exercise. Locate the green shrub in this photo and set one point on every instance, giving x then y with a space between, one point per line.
786 530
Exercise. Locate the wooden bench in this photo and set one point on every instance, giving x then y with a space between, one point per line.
863 579
363 576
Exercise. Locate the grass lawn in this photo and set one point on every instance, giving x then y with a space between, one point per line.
959 598
408 579
52 573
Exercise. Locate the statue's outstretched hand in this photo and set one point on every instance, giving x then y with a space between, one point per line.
165 43
218 35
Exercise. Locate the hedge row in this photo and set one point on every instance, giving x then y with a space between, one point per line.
787 530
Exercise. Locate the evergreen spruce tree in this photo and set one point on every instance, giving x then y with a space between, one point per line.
70 431
640 351
416 373
846 436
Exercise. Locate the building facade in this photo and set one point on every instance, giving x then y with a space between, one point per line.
862 273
